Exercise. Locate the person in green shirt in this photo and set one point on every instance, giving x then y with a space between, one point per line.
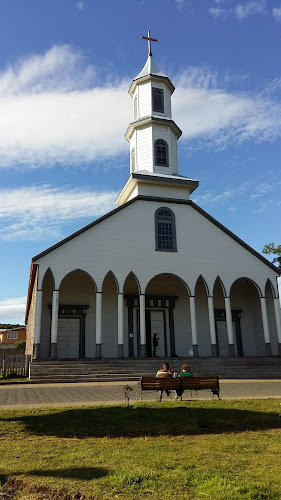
185 372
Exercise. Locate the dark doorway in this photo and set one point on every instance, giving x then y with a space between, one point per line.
221 333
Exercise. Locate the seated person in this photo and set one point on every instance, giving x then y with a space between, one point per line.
164 372
185 372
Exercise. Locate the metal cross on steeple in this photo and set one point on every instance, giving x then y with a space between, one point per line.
149 42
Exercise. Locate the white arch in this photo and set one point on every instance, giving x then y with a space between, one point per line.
170 274
136 280
79 270
111 273
248 279
219 280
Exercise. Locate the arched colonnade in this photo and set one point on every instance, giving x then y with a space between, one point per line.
77 318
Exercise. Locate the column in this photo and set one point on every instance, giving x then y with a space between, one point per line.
212 327
172 329
120 325
278 322
130 303
193 326
54 326
142 327
98 324
229 327
37 325
265 326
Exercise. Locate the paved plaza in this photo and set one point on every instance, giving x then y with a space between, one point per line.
23 395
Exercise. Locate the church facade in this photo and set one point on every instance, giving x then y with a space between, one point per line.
158 263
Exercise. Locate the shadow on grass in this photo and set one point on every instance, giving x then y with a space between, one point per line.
85 473
137 421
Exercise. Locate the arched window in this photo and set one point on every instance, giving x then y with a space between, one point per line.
133 159
161 153
157 100
165 230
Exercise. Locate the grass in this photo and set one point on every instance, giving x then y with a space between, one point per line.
223 450
13 378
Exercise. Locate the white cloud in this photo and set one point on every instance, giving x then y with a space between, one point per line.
80 5
46 209
55 111
61 69
180 4
250 8
276 12
208 113
12 310
49 114
217 12
247 194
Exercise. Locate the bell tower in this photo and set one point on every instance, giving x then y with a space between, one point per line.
152 134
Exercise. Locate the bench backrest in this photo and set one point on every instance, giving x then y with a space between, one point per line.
159 383
153 383
200 382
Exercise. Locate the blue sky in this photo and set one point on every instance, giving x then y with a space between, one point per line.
65 70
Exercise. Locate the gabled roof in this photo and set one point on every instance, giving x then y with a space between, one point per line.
158 199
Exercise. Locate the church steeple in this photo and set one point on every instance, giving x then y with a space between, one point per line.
152 134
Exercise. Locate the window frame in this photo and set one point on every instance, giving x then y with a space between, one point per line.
157 215
166 153
161 108
12 335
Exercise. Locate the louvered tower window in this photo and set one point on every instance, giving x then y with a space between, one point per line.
135 107
133 159
161 153
157 100
165 230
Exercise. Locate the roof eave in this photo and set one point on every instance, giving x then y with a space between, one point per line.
146 78
146 121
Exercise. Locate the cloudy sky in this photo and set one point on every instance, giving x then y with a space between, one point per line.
65 69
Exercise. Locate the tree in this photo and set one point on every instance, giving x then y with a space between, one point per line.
270 248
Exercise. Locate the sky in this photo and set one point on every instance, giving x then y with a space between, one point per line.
65 70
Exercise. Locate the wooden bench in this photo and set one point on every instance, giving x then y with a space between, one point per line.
174 384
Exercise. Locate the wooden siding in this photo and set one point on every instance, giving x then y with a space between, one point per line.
144 149
128 237
144 99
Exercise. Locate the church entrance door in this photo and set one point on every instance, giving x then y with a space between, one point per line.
155 323
221 332
68 338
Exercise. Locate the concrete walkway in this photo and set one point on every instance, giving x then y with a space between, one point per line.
23 395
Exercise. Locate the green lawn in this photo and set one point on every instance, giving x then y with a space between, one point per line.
187 450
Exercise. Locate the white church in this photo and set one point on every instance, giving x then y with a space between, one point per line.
157 263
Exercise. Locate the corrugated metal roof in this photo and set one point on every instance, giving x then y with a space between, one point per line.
154 174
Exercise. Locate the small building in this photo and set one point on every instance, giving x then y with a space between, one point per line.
158 263
9 337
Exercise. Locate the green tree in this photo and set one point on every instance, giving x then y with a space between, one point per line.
20 344
270 248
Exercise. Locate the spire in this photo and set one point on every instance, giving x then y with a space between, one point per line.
150 69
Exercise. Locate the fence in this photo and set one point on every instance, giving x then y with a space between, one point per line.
14 364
